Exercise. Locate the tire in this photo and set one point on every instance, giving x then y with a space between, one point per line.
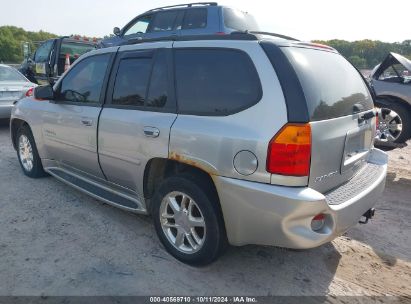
405 117
25 145
213 237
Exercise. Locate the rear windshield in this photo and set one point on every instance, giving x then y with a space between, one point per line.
238 20
75 49
332 86
10 74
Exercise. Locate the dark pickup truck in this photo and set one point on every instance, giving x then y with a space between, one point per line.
48 62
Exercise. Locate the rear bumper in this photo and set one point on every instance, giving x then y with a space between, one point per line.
256 213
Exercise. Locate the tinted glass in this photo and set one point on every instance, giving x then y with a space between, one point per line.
157 94
215 82
43 52
140 26
163 21
195 18
84 81
332 86
131 81
238 20
10 74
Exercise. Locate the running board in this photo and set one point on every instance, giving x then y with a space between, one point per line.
100 192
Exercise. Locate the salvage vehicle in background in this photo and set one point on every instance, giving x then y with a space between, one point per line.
13 86
391 81
203 18
49 61
237 138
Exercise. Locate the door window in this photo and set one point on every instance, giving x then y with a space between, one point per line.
139 83
140 26
195 18
164 21
84 81
43 52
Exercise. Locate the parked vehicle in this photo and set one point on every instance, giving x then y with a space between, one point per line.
392 86
13 86
203 18
239 139
48 62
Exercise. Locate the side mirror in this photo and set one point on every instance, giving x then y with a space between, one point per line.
44 92
116 31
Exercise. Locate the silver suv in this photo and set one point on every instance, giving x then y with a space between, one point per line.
236 139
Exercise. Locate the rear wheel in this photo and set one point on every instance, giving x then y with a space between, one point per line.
394 124
27 154
187 222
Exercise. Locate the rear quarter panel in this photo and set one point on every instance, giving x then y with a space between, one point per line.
212 142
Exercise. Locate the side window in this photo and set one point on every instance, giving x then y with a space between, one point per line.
163 21
43 52
131 81
215 81
140 26
195 18
84 81
135 87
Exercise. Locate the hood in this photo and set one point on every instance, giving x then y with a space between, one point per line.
392 58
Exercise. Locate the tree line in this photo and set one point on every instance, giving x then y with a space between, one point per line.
364 54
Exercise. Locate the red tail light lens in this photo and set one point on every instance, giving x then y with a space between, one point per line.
289 152
30 92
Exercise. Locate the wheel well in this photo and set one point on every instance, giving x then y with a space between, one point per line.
383 100
159 169
15 126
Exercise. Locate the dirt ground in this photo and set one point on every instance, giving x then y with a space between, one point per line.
55 240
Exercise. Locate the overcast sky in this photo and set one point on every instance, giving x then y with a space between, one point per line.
304 19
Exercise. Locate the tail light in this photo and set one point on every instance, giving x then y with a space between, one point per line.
30 92
289 152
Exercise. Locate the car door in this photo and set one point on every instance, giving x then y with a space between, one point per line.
139 112
42 62
70 121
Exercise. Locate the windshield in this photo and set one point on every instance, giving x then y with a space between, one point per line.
10 74
331 85
75 49
238 20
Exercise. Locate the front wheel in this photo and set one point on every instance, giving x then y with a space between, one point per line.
187 222
27 154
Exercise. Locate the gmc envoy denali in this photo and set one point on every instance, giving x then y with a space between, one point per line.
227 139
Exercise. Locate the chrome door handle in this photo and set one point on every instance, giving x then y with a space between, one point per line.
151 132
87 122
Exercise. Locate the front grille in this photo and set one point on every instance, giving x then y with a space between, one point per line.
368 175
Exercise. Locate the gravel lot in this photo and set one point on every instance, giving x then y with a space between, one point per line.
55 240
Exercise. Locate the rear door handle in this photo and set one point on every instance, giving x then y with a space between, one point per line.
151 132
87 122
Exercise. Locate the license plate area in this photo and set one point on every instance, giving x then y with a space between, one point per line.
357 145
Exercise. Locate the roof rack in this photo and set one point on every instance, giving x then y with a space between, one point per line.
232 36
271 34
184 5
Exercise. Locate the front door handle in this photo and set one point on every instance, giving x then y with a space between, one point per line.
87 122
151 132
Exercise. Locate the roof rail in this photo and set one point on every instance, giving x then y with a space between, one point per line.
184 5
232 36
272 34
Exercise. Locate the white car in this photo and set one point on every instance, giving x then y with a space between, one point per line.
13 86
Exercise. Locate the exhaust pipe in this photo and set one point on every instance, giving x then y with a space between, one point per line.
368 215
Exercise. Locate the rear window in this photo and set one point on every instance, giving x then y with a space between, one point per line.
215 82
238 20
332 86
75 49
163 21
